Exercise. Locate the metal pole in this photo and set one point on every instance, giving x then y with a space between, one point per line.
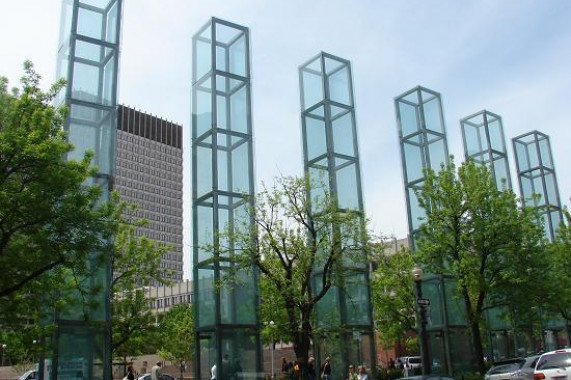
272 352
423 333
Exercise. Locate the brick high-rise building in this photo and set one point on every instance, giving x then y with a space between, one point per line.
148 173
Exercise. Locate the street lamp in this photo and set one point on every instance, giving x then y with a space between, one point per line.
422 306
3 353
271 324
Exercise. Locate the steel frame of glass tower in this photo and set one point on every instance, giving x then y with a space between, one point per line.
88 57
423 144
536 175
226 319
331 159
485 144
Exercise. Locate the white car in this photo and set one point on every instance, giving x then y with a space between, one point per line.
554 365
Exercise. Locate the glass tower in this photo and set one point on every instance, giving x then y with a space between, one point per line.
88 57
484 143
331 160
423 145
423 142
536 176
226 320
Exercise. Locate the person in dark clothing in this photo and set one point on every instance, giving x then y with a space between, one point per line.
130 373
326 371
311 369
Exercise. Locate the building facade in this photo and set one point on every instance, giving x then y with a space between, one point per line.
148 173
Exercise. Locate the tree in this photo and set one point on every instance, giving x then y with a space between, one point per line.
290 244
136 263
481 238
177 335
50 221
558 297
392 297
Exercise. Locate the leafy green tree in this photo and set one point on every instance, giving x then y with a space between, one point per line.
177 335
50 221
289 246
558 297
392 297
481 238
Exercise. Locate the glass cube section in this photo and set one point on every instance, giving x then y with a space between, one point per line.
347 190
312 83
98 19
206 304
239 354
356 297
338 78
230 49
407 115
204 230
202 52
93 73
315 137
432 112
203 169
237 298
343 135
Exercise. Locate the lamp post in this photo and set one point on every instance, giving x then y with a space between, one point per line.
3 353
271 324
422 305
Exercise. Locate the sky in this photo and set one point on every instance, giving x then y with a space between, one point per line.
511 57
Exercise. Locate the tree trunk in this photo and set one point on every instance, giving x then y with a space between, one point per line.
478 348
302 345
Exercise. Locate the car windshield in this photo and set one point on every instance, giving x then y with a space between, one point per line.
555 360
414 360
505 367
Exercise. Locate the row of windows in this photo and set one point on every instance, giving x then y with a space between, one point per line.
135 151
172 239
149 175
169 301
164 167
137 181
125 167
152 198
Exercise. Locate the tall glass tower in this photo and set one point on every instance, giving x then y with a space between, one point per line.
88 57
484 143
226 320
536 175
331 160
423 143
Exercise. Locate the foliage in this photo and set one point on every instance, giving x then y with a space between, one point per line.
392 297
481 238
558 299
136 264
54 230
177 334
300 255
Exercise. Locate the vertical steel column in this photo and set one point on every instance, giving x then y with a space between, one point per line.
88 58
331 162
484 143
226 320
536 176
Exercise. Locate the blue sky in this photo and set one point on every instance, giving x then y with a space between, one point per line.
512 57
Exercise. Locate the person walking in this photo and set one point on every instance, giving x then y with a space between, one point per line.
130 373
156 372
311 368
362 375
352 374
326 369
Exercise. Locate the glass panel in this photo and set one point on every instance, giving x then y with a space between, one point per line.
356 299
521 156
501 173
555 220
413 97
240 172
454 304
437 154
221 58
206 304
533 157
538 187
432 116
92 129
496 135
203 108
545 153
437 352
432 291
472 139
414 162
339 86
203 58
327 309
77 350
237 304
221 112
223 173
90 23
226 34
312 85
319 183
238 355
88 51
315 137
108 81
203 170
237 52
111 27
347 191
461 351
343 138
239 110
408 119
207 352
417 213
205 232
527 190
551 188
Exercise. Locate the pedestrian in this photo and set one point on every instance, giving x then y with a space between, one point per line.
391 363
156 372
311 368
285 366
352 374
130 373
362 374
213 372
326 369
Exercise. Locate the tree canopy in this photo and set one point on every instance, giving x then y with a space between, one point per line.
480 237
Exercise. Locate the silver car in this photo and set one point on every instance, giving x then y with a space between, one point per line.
511 369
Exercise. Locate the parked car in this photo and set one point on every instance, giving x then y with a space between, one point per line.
515 368
413 362
147 376
29 375
554 365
